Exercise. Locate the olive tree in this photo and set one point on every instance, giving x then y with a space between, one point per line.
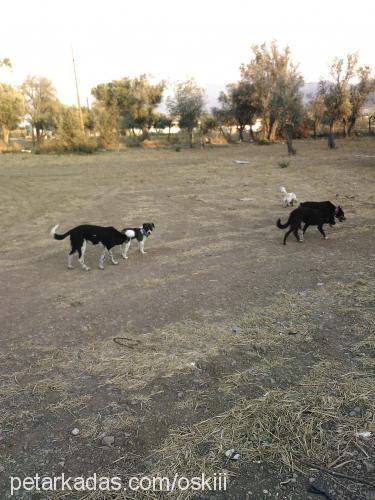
187 105
239 105
12 110
287 105
41 105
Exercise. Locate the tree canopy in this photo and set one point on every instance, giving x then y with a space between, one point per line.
187 105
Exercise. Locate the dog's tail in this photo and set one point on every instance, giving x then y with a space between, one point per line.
58 236
282 190
282 226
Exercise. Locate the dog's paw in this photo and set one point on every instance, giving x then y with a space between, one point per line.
101 267
87 269
70 267
326 237
114 262
125 257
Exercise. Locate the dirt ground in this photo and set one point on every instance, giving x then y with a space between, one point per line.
232 340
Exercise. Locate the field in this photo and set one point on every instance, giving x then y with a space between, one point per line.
229 338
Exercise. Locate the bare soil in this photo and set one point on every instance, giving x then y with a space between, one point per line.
226 330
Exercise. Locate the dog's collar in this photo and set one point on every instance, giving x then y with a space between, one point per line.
337 211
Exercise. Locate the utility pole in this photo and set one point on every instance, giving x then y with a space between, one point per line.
78 99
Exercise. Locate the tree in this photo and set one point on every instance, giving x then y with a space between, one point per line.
358 94
263 72
286 104
41 105
163 121
130 102
68 126
239 105
5 62
315 110
207 125
336 94
12 110
187 105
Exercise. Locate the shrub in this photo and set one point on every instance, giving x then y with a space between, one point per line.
80 145
264 142
12 147
284 164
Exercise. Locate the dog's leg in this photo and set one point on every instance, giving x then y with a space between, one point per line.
142 246
305 227
125 247
82 256
102 259
287 234
70 259
298 234
320 228
113 260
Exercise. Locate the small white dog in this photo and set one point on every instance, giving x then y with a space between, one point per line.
288 198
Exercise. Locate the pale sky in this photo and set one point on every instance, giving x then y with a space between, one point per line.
174 40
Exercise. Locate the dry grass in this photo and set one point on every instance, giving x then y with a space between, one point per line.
288 427
61 348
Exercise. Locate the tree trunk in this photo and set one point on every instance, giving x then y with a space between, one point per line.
264 133
315 128
331 139
240 132
251 134
37 135
272 130
5 134
351 125
345 128
191 137
289 141
370 119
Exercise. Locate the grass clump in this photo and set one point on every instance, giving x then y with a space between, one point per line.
284 164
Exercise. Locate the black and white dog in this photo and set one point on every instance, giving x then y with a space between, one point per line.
80 235
136 233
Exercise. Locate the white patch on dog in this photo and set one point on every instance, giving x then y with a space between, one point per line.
130 233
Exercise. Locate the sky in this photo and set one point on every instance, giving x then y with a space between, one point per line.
173 40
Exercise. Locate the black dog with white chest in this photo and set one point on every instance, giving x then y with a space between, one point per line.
311 213
108 237
136 233
79 235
